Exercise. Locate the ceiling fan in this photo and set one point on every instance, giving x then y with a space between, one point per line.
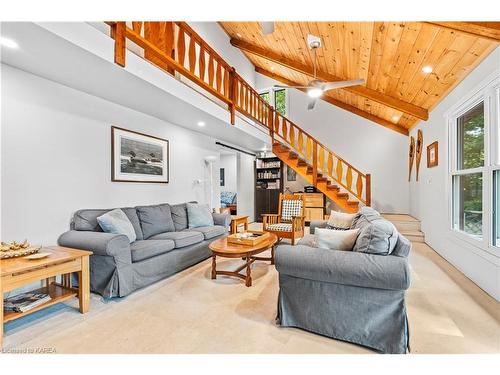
316 88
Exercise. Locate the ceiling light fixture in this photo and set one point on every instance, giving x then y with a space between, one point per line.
272 68
395 118
201 123
238 35
315 92
9 43
427 69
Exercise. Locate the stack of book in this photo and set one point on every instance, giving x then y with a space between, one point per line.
25 301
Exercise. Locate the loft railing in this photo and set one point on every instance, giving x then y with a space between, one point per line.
176 47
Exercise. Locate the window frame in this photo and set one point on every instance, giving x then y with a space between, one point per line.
271 91
487 92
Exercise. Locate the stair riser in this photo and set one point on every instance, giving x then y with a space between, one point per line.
413 226
414 238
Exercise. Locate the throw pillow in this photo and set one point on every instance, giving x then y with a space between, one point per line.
336 239
117 222
377 236
199 215
340 220
155 219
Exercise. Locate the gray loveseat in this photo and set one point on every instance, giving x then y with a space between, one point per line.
352 296
165 245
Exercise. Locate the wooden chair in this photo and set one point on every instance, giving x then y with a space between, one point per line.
290 220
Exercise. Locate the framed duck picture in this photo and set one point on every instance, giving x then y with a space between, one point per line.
432 155
138 157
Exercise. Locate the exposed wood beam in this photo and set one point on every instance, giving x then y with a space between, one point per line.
374 95
485 30
338 103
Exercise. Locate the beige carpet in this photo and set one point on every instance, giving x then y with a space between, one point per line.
190 313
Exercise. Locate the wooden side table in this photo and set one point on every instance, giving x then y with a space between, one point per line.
238 220
17 272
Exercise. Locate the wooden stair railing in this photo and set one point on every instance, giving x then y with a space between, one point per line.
176 47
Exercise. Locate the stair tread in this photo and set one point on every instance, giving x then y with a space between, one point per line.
411 232
400 218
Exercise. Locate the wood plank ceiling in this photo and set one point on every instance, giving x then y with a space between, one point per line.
388 55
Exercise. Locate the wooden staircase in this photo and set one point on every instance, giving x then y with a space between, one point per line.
323 184
176 48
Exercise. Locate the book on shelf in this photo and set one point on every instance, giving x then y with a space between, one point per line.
25 301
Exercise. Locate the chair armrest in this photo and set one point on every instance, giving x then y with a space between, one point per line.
105 244
316 224
343 267
269 219
298 222
222 219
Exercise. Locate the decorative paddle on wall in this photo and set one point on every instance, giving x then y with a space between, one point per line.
411 157
420 144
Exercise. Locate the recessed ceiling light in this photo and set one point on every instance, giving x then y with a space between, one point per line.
395 118
238 35
427 69
272 68
315 92
201 123
9 43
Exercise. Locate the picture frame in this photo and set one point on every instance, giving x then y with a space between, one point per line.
291 175
138 157
432 155
222 177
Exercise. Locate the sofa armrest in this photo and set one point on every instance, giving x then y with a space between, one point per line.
343 267
105 244
222 219
316 224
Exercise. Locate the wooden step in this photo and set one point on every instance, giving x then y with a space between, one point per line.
353 203
292 155
342 195
302 163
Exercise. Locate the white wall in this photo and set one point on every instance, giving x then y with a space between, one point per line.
246 186
217 38
228 162
366 145
429 198
56 148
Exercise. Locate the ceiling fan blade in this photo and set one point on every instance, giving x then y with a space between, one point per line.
290 87
312 103
342 84
267 27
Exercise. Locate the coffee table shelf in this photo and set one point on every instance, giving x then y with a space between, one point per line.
57 293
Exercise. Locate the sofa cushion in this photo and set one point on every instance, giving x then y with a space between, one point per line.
364 214
115 221
179 216
209 231
181 239
199 215
146 249
377 236
155 219
86 220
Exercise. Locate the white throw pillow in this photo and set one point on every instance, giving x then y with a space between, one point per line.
117 222
336 239
340 220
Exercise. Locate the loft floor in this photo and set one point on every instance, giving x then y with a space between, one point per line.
190 313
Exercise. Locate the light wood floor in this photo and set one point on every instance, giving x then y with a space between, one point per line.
190 313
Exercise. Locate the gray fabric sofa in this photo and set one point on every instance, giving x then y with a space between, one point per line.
352 296
164 245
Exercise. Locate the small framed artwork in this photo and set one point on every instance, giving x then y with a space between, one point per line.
291 175
432 155
137 157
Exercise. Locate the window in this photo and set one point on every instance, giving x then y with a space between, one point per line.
475 168
468 184
280 101
278 98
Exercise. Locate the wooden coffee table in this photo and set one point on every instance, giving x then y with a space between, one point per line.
224 249
17 272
